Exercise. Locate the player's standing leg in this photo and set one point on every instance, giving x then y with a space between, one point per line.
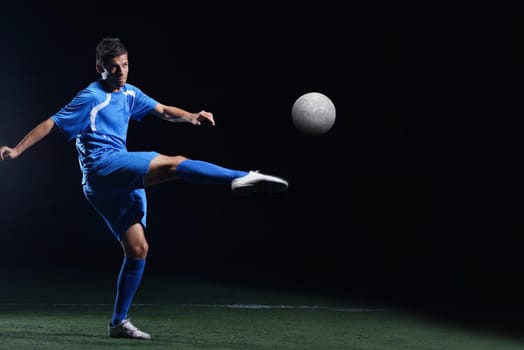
135 248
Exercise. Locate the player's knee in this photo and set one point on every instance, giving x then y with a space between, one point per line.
175 161
138 251
162 169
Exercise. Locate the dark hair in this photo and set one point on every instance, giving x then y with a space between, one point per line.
109 48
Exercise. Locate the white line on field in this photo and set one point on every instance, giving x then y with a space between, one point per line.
229 306
263 306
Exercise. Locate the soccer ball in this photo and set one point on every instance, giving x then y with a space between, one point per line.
313 114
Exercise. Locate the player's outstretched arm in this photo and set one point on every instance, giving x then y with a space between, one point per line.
35 135
179 115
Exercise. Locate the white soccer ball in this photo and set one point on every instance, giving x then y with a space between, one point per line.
313 114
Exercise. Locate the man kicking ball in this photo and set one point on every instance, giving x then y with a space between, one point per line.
114 179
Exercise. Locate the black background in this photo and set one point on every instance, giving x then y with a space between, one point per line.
413 197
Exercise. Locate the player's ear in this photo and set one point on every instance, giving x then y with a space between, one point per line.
101 70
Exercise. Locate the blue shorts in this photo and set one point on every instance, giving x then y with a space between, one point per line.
115 188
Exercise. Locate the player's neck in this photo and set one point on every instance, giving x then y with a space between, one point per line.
109 87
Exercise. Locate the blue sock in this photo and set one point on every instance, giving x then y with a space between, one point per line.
126 286
199 172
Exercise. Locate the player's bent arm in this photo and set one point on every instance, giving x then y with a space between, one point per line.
35 135
178 115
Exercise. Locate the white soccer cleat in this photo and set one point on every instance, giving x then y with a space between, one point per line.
127 330
255 181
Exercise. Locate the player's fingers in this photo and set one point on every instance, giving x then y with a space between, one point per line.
5 153
208 116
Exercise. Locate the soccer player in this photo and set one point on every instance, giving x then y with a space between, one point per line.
114 179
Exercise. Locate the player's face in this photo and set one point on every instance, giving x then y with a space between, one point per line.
116 71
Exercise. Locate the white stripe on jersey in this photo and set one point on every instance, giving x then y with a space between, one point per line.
94 111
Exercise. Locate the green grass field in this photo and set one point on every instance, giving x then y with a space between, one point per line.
60 313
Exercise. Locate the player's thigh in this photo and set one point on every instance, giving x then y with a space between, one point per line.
119 172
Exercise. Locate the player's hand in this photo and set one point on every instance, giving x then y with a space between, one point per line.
8 153
201 116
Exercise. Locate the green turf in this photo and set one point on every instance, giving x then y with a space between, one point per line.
188 315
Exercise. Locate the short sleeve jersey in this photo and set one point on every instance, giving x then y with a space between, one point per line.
99 120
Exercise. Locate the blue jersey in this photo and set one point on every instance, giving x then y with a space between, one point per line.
99 121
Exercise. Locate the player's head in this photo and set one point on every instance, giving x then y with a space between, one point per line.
112 62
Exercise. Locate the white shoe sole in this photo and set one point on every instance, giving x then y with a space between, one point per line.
257 182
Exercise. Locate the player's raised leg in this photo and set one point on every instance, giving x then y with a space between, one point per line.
166 168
